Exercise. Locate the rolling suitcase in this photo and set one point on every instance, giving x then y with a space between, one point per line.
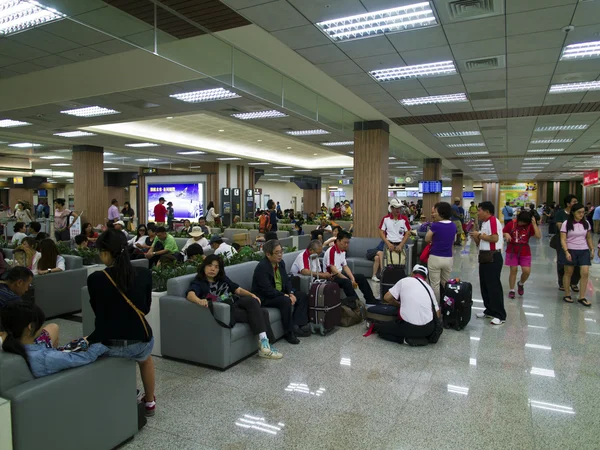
456 304
324 307
393 272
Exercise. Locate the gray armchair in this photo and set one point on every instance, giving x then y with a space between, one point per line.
189 332
356 255
41 408
303 241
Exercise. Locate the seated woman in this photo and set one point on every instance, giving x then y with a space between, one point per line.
81 241
197 237
27 337
194 253
140 243
298 228
331 241
20 230
212 285
89 232
49 261
26 254
187 227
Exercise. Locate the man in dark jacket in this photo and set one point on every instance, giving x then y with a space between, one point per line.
274 288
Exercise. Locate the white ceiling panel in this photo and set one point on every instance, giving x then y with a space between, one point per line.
323 54
25 67
531 81
530 71
6 61
479 49
338 68
447 108
47 42
353 79
379 98
429 55
486 86
423 110
525 101
396 111
484 75
362 48
403 85
114 22
547 56
420 92
301 37
418 39
18 51
480 105
376 5
539 20
592 96
535 41
588 65
75 32
370 88
564 99
320 10
81 54
587 13
516 6
574 77
379 62
483 29
449 89
52 61
112 46
441 81
274 16
583 34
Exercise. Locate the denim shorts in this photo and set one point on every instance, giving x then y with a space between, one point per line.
578 258
138 352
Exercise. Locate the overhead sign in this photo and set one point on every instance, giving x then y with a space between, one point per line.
399 180
468 194
590 178
148 171
17 180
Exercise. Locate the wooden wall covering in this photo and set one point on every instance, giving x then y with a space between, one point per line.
457 186
371 177
90 195
491 194
312 200
542 192
592 195
431 171
16 194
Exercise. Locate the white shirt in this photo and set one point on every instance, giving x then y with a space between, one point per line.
202 242
18 237
415 303
226 250
302 262
211 215
395 229
487 228
141 240
334 257
60 264
23 215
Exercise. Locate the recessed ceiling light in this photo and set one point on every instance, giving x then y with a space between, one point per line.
8 123
471 153
111 168
60 164
289 148
270 114
147 159
584 50
24 145
546 150
375 23
207 95
303 170
90 111
220 131
450 98
170 117
552 141
337 144
72 134
108 154
259 140
192 152
562 128
52 157
258 164
142 145
477 160
436 69
315 154
19 15
229 159
535 163
306 132
472 144
282 167
458 134
574 87
539 158
63 150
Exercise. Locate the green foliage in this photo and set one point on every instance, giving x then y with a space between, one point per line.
284 227
285 221
89 255
289 249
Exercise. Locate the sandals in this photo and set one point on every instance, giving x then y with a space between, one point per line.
584 302
575 288
570 300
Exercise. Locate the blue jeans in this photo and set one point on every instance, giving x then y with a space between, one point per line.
138 352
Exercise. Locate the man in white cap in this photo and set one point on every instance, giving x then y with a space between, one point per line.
197 237
120 226
414 297
394 230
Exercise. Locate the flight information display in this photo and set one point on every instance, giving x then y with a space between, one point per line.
430 187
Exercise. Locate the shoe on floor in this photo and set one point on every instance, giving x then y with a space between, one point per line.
291 338
301 333
268 352
520 288
496 321
307 328
374 278
511 294
575 288
150 406
482 316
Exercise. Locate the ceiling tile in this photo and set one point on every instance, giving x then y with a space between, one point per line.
418 39
370 88
448 108
583 34
481 105
52 61
4 73
486 86
6 61
441 81
379 62
112 47
430 55
419 92
301 37
592 96
539 20
82 54
423 110
377 5
353 79
529 91
515 6
588 65
479 49
396 111
18 51
531 81
114 22
484 75
573 77
587 13
274 16
448 89
362 48
323 54
563 99
337 68
379 98
320 10
75 32
546 56
535 41
239 4
47 42
24 67
530 71
483 29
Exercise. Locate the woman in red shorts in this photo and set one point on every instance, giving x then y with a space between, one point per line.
517 234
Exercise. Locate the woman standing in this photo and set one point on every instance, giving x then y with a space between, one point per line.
23 214
49 261
576 241
441 235
121 296
62 223
170 216
211 215
128 215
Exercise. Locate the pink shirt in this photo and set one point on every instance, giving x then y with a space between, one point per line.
576 239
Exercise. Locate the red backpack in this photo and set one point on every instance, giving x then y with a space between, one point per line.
264 225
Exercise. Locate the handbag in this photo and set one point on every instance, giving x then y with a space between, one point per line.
140 314
352 316
438 326
554 242
425 253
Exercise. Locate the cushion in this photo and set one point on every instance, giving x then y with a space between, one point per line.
178 286
181 242
13 371
358 246
73 262
242 274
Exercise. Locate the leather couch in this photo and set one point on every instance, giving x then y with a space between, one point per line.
356 256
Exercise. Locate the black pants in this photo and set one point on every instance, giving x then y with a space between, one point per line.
63 235
298 315
398 330
363 285
491 287
248 310
560 269
157 248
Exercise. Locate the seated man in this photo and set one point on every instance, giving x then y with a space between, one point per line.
194 253
414 297
308 263
272 285
221 248
163 244
335 262
81 241
34 229
119 225
203 226
321 229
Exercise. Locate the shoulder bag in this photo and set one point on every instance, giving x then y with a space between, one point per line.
438 327
554 241
140 314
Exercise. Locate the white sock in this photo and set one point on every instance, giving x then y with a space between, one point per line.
262 336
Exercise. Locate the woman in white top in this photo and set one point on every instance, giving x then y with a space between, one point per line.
211 215
22 214
20 232
50 261
197 237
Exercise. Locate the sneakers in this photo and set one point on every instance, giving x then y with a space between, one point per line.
150 406
266 351
511 294
520 288
482 316
374 278
496 321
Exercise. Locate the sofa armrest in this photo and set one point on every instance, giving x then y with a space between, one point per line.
304 283
60 293
98 397
222 312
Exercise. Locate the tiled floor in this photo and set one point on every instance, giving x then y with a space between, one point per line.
533 383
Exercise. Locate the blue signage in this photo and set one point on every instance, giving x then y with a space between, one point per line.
468 194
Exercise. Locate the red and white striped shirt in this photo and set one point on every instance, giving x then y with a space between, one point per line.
490 227
303 261
334 257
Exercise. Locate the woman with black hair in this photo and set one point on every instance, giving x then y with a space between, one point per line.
88 230
62 220
212 285
140 243
128 215
441 235
49 261
211 215
121 296
20 230
576 241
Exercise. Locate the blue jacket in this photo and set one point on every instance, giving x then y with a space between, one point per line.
45 361
596 215
263 280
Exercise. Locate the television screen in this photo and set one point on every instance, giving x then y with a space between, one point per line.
468 194
42 193
187 199
430 187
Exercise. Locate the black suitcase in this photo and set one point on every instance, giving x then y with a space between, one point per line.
324 307
457 301
394 269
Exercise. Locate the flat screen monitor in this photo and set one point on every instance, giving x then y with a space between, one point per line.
42 193
187 199
430 187
468 194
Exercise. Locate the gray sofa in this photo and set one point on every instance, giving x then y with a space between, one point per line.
356 255
286 242
47 412
189 332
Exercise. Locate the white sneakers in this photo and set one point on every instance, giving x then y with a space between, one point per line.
267 351
482 316
494 321
374 278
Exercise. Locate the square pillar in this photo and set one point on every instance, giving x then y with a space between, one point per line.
457 186
88 175
432 170
371 176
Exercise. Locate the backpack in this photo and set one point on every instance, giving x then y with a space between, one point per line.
264 225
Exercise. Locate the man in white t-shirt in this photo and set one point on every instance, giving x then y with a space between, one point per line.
394 229
415 298
197 237
490 242
308 263
221 248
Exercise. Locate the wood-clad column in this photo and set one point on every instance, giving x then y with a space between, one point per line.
88 175
490 194
371 176
457 186
311 200
542 195
432 170
556 193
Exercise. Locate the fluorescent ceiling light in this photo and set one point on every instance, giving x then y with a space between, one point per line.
60 164
192 152
73 134
8 123
375 23
147 159
108 154
450 98
562 128
258 164
552 141
282 167
142 145
111 168
583 50
270 114
306 132
458 134
303 170
24 145
436 69
574 87
471 153
337 144
229 159
547 150
473 144
207 95
539 158
52 157
90 111
477 160
19 15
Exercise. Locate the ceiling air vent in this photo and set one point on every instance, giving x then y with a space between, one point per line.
487 95
489 63
459 10
493 128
